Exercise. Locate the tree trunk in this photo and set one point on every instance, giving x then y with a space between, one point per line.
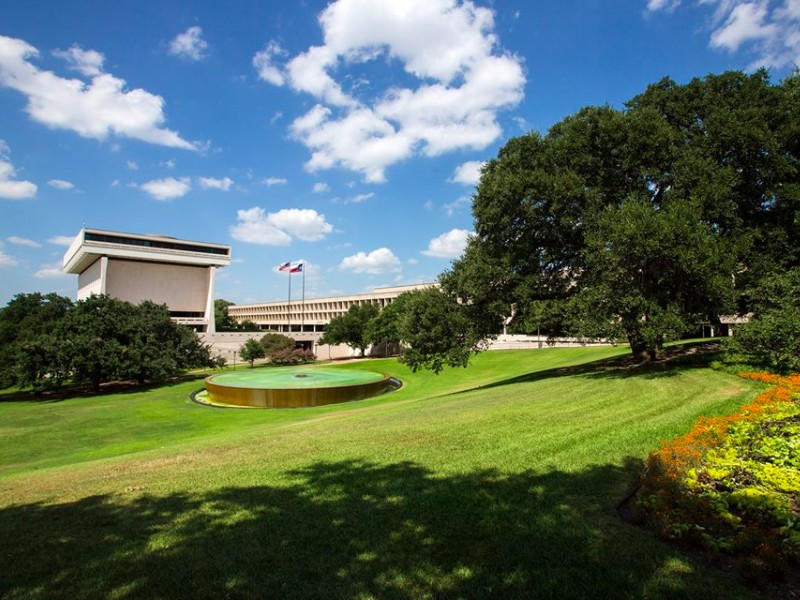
641 352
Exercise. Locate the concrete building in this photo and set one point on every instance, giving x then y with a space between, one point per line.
314 314
165 270
303 322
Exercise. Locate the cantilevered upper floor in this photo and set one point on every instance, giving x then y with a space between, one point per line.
136 267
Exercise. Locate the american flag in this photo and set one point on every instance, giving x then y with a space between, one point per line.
291 267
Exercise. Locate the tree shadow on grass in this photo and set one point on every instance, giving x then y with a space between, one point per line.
696 355
69 392
352 529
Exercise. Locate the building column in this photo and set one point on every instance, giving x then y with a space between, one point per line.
103 274
211 326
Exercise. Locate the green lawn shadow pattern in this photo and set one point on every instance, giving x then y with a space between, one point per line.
351 529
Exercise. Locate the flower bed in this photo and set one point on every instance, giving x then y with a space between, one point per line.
732 484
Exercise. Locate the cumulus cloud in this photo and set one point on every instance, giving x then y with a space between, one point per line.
270 181
189 44
462 80
61 240
86 62
50 271
210 183
7 261
468 173
10 188
168 188
359 198
98 109
256 226
61 184
321 187
21 241
377 262
264 65
769 30
448 245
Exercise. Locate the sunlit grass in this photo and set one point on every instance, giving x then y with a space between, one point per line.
499 480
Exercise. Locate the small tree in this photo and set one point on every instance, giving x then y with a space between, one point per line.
275 342
351 328
437 331
251 350
772 338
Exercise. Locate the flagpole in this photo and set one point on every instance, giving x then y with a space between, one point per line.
289 309
303 313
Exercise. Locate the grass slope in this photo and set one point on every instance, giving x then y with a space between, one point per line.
495 481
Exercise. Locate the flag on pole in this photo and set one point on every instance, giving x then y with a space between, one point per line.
290 267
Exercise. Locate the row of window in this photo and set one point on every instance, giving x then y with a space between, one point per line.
166 245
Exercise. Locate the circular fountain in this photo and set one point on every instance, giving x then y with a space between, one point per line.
289 387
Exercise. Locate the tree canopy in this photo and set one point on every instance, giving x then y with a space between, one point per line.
640 223
48 339
351 328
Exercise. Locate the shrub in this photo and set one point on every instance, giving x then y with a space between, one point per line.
293 356
732 483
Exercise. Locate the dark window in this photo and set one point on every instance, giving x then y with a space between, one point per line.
167 245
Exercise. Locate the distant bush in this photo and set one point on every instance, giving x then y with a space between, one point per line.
275 342
293 356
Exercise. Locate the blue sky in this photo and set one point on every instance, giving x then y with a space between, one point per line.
347 134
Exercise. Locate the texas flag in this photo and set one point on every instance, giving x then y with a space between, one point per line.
291 268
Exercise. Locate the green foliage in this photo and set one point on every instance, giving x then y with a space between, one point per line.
640 222
436 331
92 341
222 320
772 338
251 351
275 342
731 484
352 328
292 356
29 352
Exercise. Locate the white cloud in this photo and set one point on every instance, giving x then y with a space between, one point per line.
256 226
95 110
189 44
377 262
168 188
745 23
209 183
769 30
270 181
132 165
61 240
169 164
667 5
359 198
321 187
21 241
61 184
86 62
7 261
457 205
449 47
50 271
11 189
448 245
468 173
263 64
412 261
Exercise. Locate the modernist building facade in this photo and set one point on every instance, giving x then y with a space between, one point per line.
312 315
135 267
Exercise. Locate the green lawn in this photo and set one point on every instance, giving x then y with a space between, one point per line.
497 481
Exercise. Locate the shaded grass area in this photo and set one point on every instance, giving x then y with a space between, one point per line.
486 482
351 529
